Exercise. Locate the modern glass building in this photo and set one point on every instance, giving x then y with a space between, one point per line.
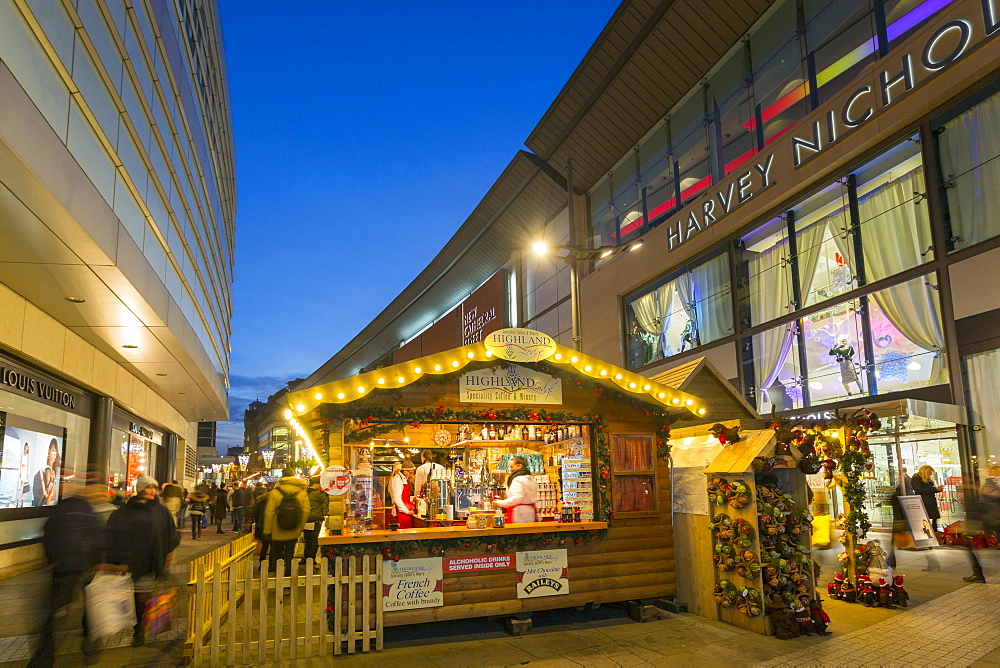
812 183
117 220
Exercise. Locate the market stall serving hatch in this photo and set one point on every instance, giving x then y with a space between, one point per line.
596 439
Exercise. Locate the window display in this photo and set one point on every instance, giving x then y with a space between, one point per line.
31 463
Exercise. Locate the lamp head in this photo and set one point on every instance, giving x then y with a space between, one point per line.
540 248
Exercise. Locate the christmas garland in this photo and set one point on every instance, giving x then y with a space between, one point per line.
402 549
382 419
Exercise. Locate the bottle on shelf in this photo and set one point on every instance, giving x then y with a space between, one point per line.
524 433
492 433
484 434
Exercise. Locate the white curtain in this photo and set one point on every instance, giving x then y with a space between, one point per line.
771 297
808 244
652 310
710 293
972 142
984 389
895 230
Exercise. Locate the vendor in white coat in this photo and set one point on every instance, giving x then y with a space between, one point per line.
522 493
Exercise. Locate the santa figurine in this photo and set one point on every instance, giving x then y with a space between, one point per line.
866 593
833 588
848 592
885 594
899 595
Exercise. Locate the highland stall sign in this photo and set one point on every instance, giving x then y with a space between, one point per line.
509 384
958 29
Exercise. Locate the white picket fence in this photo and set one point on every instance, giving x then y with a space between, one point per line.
242 618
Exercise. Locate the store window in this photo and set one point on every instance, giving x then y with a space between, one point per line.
730 106
634 483
690 140
779 75
969 146
765 257
824 246
656 173
136 450
681 313
984 393
773 358
835 353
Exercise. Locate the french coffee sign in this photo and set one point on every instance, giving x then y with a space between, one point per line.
542 573
412 583
520 345
509 384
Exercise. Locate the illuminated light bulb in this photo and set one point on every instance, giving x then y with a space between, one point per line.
835 434
631 386
418 370
558 356
574 359
689 402
660 395
588 368
914 366
604 372
470 355
701 411
618 376
406 439
454 363
361 389
400 380
381 381
319 396
489 354
675 400
288 414
300 408
340 395
437 367
646 388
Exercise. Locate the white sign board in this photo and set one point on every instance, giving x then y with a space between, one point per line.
520 345
412 583
542 573
509 384
335 480
917 520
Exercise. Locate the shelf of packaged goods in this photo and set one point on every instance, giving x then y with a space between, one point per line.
478 443
436 533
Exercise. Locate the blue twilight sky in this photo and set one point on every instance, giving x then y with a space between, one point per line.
365 135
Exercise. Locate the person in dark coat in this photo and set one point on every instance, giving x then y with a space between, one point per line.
259 507
220 508
924 487
319 505
141 539
73 540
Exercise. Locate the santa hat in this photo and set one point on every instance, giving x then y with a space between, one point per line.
838 577
898 581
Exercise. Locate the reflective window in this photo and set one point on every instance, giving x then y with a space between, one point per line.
774 363
766 258
681 313
840 37
970 147
824 244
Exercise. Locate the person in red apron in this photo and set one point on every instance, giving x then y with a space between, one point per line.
522 493
402 501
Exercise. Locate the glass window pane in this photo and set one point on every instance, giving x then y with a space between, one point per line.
969 147
840 36
903 16
835 358
711 303
731 108
778 73
907 336
632 453
775 369
656 173
893 216
825 249
767 257
634 493
691 147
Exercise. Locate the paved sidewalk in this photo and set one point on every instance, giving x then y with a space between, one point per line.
22 598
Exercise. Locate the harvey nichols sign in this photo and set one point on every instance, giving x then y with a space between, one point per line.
949 42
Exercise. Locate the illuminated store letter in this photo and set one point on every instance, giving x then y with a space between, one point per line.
927 57
816 145
906 76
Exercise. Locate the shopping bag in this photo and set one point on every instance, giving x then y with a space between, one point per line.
110 604
159 612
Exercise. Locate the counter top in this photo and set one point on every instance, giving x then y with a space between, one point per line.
437 533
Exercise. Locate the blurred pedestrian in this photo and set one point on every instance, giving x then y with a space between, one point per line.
983 517
285 517
73 539
220 508
172 495
239 500
319 505
259 507
926 487
141 539
198 507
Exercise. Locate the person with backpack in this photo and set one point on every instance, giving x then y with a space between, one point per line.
198 505
285 517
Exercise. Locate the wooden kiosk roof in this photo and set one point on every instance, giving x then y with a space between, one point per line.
701 378
674 400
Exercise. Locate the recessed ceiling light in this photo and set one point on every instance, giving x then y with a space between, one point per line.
76 300
185 393
130 345
161 374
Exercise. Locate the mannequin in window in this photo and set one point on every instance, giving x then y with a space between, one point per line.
689 335
844 352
